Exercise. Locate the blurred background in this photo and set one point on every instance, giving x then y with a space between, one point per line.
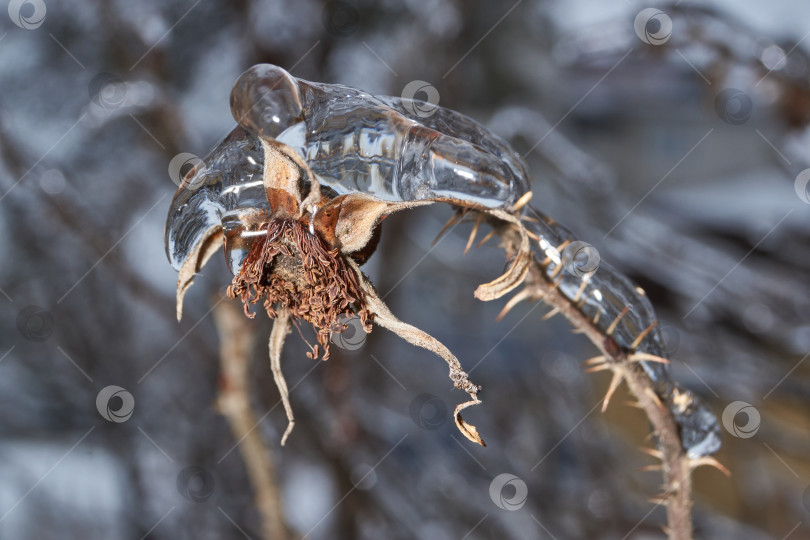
673 138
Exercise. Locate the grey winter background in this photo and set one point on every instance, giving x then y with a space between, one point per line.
678 152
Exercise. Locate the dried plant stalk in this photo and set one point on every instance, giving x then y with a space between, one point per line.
676 465
236 345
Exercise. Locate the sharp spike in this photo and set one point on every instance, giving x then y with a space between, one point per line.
614 384
642 335
709 462
533 236
486 238
646 357
551 313
522 201
595 360
454 219
649 468
473 233
582 290
577 331
596 317
654 452
615 323
562 246
515 300
600 367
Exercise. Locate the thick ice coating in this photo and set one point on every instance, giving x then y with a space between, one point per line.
389 147
353 142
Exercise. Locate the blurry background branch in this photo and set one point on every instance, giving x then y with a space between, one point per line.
690 192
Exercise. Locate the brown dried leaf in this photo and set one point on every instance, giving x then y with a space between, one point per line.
468 430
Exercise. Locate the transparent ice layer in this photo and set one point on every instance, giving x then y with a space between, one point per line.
402 150
602 295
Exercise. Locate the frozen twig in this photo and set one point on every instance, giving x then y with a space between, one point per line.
676 465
